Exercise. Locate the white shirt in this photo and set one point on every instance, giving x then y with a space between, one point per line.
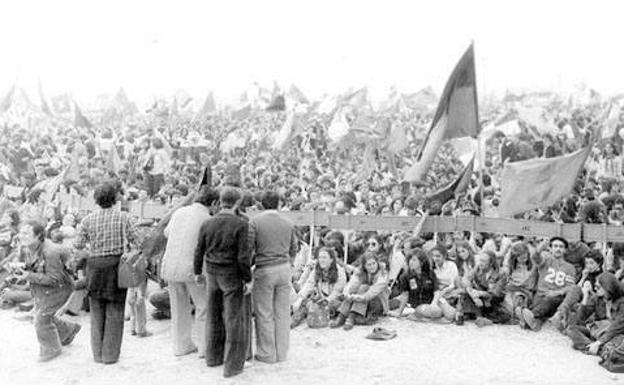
182 234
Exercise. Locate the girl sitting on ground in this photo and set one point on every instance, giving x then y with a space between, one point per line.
324 285
446 274
600 317
365 296
417 285
517 266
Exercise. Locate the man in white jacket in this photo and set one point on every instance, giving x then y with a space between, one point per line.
182 234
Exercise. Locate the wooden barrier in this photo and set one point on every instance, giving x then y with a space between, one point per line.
434 224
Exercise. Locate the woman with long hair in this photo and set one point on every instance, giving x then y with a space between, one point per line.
324 285
600 316
485 291
446 274
518 267
418 285
365 296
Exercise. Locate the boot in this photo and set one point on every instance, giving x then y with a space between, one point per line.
338 322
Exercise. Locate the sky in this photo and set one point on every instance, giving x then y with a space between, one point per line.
154 48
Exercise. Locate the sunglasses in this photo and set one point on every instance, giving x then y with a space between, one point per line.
372 243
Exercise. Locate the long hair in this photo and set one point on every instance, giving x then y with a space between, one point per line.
332 272
493 265
517 250
470 261
425 267
363 275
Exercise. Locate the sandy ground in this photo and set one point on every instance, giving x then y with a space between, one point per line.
421 354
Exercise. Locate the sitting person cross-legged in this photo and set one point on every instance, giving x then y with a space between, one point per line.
484 293
365 296
324 285
600 317
417 285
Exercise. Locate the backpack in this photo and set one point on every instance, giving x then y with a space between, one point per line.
318 314
612 355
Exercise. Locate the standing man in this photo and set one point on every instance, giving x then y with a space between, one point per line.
106 231
273 242
223 248
182 234
51 286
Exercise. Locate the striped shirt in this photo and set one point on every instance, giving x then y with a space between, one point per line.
103 231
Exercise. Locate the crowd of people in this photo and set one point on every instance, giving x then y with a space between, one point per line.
225 268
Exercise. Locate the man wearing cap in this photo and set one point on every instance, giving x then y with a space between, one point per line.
552 277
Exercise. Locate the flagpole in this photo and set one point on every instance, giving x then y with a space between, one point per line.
481 158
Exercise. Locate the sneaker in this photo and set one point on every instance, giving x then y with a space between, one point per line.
68 340
483 322
348 325
558 321
338 322
530 320
50 357
520 317
144 334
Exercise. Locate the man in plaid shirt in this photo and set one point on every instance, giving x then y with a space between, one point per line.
103 230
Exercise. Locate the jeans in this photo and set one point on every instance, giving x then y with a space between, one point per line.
271 300
107 322
180 294
226 331
52 331
136 302
545 307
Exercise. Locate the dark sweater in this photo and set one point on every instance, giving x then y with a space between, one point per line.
223 245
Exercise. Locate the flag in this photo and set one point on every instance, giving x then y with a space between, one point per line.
296 94
285 132
45 107
539 182
356 99
455 188
368 163
206 179
397 141
79 119
7 101
242 113
278 103
339 126
73 170
113 162
611 122
423 99
61 103
209 106
456 116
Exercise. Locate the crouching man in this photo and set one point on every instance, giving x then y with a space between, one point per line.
50 285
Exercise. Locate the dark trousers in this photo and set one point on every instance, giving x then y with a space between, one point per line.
107 322
492 310
545 307
227 329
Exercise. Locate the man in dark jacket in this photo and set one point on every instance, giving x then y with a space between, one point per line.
223 249
51 286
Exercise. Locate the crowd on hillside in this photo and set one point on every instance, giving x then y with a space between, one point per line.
489 278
